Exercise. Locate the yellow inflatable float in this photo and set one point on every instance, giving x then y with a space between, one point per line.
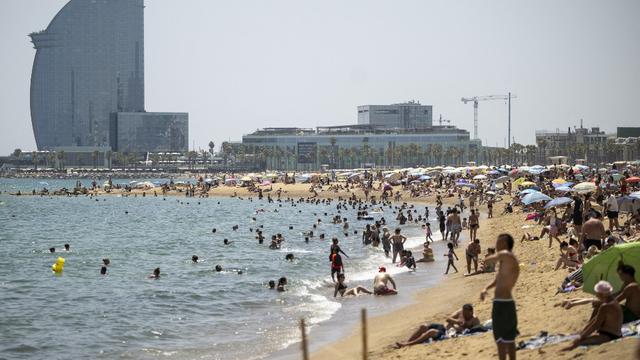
58 266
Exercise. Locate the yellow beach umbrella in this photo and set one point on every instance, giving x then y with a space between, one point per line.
519 181
527 184
559 181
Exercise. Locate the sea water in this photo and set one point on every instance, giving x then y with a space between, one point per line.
191 311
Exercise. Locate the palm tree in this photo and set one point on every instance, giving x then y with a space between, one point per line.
17 153
333 141
61 158
94 157
437 153
51 158
109 158
34 159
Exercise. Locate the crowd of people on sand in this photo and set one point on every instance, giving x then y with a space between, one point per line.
570 202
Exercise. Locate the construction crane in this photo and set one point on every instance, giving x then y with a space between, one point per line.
441 120
475 100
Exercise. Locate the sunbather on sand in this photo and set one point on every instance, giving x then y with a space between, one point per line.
607 322
460 320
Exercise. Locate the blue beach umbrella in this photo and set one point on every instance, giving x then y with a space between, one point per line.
566 184
528 191
564 189
535 197
558 202
424 178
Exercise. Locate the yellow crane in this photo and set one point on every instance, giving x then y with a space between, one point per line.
476 99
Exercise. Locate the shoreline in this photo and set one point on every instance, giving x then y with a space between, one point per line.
410 284
534 296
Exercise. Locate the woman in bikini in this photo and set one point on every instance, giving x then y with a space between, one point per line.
343 289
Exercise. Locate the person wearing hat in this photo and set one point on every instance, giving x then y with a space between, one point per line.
606 325
380 283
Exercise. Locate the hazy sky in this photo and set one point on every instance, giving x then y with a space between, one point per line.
240 65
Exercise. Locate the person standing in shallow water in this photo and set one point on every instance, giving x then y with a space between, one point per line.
504 315
397 242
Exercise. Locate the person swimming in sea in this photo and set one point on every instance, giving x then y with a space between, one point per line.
156 274
194 259
281 284
103 270
67 247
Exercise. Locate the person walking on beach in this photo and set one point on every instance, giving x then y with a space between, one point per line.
336 265
451 255
504 316
474 224
397 241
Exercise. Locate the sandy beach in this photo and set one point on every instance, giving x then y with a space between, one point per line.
535 293
535 298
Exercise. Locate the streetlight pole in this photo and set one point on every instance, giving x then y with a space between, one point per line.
509 128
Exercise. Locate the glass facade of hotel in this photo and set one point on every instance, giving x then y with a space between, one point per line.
89 63
150 132
89 67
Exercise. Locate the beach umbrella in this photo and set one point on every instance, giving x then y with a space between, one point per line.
617 176
585 187
424 178
564 189
535 197
628 204
558 202
527 184
528 191
266 183
479 177
635 194
558 181
604 265
502 179
387 187
633 179
490 192
464 184
566 184
519 181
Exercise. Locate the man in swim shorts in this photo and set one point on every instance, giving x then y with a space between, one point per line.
460 320
593 232
380 283
607 322
503 315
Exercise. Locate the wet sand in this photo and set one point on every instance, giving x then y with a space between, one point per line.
534 295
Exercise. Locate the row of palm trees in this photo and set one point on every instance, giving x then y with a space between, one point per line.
404 155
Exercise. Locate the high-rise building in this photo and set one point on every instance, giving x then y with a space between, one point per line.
88 68
409 115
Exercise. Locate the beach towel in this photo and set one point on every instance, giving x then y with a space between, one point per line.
629 329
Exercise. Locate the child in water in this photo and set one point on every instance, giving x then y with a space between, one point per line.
451 255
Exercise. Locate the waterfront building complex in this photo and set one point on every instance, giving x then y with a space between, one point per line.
385 136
